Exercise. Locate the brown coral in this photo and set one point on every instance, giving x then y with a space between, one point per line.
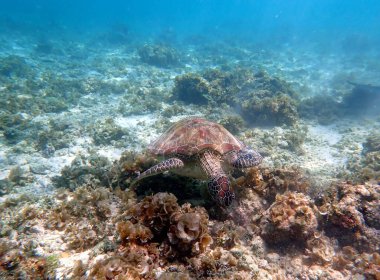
290 217
351 214
320 249
188 230
268 183
134 232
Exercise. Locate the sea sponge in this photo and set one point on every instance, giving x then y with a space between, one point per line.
290 217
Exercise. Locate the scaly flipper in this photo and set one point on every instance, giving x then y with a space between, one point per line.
220 190
248 158
166 165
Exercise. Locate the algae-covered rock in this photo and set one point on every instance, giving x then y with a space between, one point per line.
325 109
191 88
270 100
351 214
262 99
14 66
212 86
91 170
233 123
159 55
291 217
107 132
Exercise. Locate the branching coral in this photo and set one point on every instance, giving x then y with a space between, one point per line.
290 217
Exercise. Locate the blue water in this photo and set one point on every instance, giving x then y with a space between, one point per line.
250 21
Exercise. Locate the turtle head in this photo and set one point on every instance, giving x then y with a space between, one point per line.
221 191
247 157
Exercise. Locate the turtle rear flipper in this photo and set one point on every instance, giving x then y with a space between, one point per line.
166 165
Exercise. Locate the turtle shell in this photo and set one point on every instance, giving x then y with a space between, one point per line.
191 136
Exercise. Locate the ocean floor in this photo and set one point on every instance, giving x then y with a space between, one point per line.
75 120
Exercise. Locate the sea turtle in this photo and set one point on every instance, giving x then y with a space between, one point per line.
198 148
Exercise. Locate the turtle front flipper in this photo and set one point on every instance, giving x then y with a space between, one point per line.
220 190
247 158
166 165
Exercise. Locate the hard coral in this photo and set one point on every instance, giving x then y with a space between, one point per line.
290 217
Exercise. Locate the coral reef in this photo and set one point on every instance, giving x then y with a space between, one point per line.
181 230
107 132
325 109
14 66
92 169
366 166
191 88
212 86
351 213
261 98
270 182
159 55
291 217
233 123
270 100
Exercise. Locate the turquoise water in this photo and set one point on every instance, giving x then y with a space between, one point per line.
250 21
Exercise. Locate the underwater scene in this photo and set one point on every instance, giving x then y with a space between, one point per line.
189 139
